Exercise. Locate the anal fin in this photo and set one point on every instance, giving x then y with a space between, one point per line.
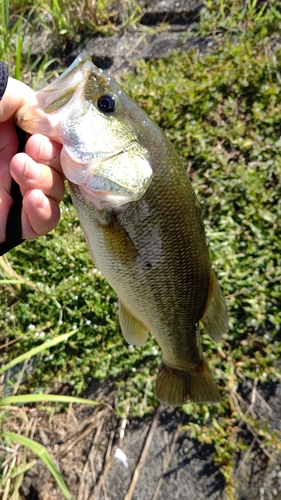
134 331
176 387
215 317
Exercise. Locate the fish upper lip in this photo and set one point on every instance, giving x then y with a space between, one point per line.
103 156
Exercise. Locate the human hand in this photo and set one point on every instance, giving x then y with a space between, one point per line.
37 170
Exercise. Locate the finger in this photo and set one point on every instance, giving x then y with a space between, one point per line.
44 150
32 175
40 214
8 147
16 95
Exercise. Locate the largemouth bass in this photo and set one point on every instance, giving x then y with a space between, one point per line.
141 219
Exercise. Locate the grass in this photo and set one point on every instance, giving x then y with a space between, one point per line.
12 476
66 23
221 110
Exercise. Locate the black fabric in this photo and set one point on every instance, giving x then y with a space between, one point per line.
13 228
3 78
9 245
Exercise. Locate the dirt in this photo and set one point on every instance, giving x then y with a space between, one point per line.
159 459
158 450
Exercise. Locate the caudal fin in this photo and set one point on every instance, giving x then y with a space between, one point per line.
176 387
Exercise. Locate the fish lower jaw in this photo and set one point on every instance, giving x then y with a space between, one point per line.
103 200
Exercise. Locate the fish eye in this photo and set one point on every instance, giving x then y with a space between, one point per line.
106 103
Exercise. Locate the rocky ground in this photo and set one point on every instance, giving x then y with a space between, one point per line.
160 460
117 53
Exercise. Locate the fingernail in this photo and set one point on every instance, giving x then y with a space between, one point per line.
45 151
32 170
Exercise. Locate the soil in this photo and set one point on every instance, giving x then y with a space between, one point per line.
102 457
157 450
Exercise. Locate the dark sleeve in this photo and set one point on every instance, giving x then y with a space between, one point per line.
3 78
13 228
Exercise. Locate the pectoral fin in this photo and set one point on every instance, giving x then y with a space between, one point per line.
133 330
215 317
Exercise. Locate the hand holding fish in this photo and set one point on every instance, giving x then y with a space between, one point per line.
37 170
141 219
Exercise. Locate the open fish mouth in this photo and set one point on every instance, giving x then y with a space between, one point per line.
108 163
113 182
58 93
42 114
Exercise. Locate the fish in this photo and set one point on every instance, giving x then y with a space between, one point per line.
142 222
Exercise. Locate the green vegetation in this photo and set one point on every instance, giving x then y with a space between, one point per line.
13 475
222 112
63 22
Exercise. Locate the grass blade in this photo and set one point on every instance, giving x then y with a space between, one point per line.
18 51
37 350
43 454
39 398
5 14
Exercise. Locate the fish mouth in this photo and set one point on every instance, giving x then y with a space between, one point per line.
40 113
119 179
56 95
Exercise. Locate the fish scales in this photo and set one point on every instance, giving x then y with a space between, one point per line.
146 234
165 286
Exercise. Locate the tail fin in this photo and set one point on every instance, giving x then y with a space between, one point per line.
176 387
